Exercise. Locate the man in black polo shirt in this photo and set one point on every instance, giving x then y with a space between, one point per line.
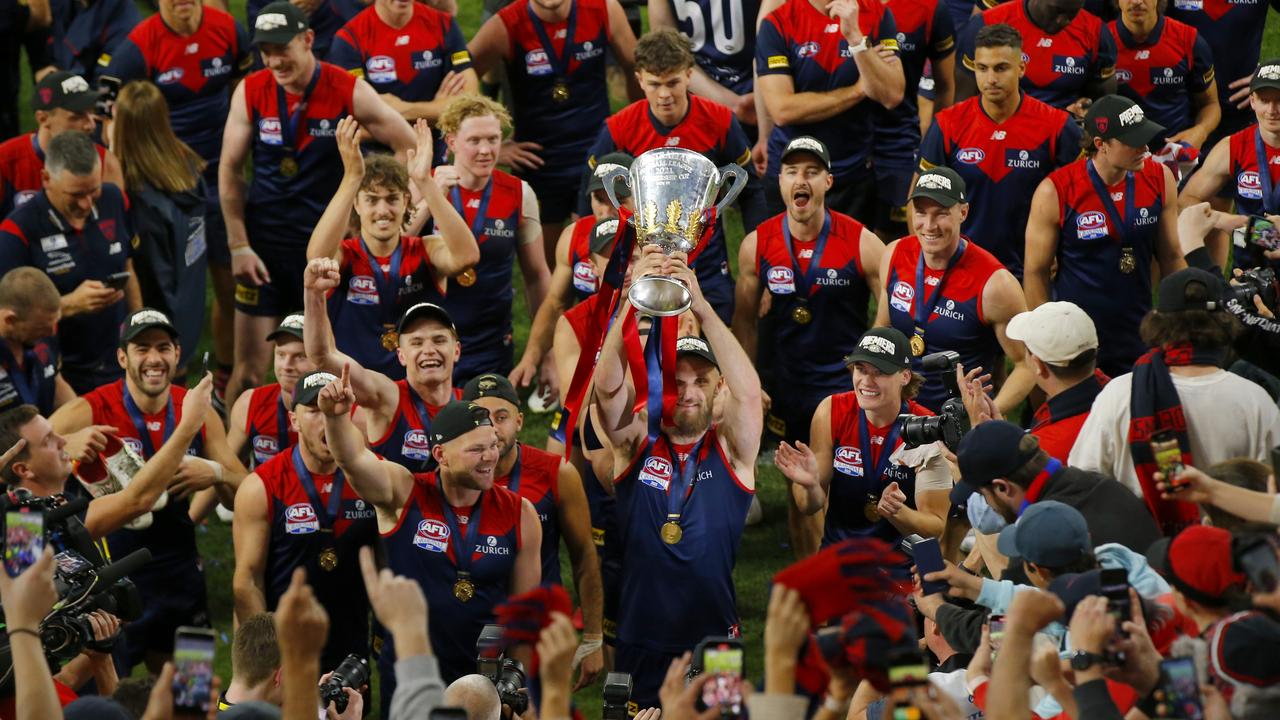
29 357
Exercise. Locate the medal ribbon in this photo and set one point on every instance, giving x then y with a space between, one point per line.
289 121
326 514
23 380
559 63
420 407
385 282
1269 200
140 423
477 223
685 476
282 425
805 289
886 450
1112 214
923 309
462 553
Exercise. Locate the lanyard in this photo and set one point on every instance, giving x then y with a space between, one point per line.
1129 215
462 553
24 379
559 63
805 289
924 308
326 514
282 425
684 478
289 121
477 223
513 480
140 423
886 450
385 282
1269 200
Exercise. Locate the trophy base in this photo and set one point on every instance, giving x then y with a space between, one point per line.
660 296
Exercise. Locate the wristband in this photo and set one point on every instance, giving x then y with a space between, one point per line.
589 645
855 50
216 467
241 250
22 631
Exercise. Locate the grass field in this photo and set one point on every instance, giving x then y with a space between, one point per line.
764 546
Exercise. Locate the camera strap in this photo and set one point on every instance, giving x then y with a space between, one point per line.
140 422
325 514
881 462
1269 200
805 289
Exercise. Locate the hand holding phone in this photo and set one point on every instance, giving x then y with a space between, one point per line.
1168 456
118 281
1180 686
23 540
192 669
928 557
722 663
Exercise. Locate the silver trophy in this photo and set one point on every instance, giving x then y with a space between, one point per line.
673 189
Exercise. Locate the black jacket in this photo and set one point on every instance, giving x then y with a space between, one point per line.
1113 512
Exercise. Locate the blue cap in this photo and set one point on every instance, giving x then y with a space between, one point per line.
1049 533
989 451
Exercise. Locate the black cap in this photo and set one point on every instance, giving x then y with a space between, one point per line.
1173 291
142 321
426 311
1266 76
278 23
291 326
693 345
990 450
807 144
62 89
604 164
456 419
941 185
885 348
602 235
1112 117
490 385
309 386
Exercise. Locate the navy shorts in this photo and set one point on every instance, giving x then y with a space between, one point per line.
170 599
281 296
557 193
791 411
648 668
215 227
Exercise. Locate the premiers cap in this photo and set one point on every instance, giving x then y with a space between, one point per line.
1198 562
941 185
309 387
989 451
144 320
692 345
278 23
490 385
456 419
604 164
1173 291
602 236
290 327
1266 76
807 144
1055 332
1048 533
426 311
884 348
65 90
1112 117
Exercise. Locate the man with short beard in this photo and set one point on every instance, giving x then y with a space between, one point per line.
144 408
29 313
683 488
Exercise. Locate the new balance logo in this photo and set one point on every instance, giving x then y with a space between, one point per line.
1045 42
998 135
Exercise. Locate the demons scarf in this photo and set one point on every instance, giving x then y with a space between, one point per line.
1155 407
1071 402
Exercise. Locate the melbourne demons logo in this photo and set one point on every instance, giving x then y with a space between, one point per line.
415 445
300 519
380 69
656 473
537 63
362 290
782 281
269 131
902 296
1091 225
584 276
848 460
970 155
1248 185
432 535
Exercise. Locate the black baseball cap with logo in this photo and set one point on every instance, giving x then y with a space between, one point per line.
1266 76
1173 291
810 145
941 185
62 89
490 385
1113 117
884 348
602 235
425 311
143 320
604 164
307 391
693 345
456 419
289 328
278 23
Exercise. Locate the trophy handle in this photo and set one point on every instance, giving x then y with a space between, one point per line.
611 176
739 176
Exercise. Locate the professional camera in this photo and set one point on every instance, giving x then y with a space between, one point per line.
1257 281
506 674
352 673
952 421
617 696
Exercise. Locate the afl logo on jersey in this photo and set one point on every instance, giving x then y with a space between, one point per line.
1123 76
1248 186
656 473
264 448
848 460
782 281
300 519
415 445
537 63
1091 225
970 155
380 69
269 131
902 296
584 277
808 49
432 535
169 77
362 290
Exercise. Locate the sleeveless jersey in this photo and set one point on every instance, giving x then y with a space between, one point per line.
538 481
1233 31
1002 164
424 547
195 74
280 211
582 319
565 129
1059 66
925 33
853 480
1162 73
36 382
955 321
799 40
405 442
585 282
836 299
697 597
482 312
357 309
267 426
1089 251
1250 196
723 36
298 536
21 160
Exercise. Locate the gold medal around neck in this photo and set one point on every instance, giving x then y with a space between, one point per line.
671 532
288 167
801 315
869 510
328 559
560 92
917 345
390 340
466 279
1128 263
464 590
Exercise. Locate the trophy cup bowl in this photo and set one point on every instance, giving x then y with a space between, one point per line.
674 190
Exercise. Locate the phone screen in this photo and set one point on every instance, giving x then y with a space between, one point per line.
1261 566
1181 688
1115 588
447 713
1168 456
995 631
193 668
1262 232
928 556
722 663
23 540
118 280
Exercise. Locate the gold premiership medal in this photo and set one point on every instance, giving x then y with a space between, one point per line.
671 532
390 340
1128 263
328 559
917 345
869 510
288 167
464 589
560 92
801 315
466 279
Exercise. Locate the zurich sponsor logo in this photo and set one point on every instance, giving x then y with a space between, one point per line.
1146 217
584 276
362 290
782 281
269 131
656 473
427 60
1021 159
264 448
1091 225
588 51
1248 185
1068 65
902 296
970 155
491 547
380 69
169 77
432 535
213 67
300 519
415 445
536 62
808 49
848 460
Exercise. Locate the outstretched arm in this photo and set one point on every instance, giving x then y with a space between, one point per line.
326 237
